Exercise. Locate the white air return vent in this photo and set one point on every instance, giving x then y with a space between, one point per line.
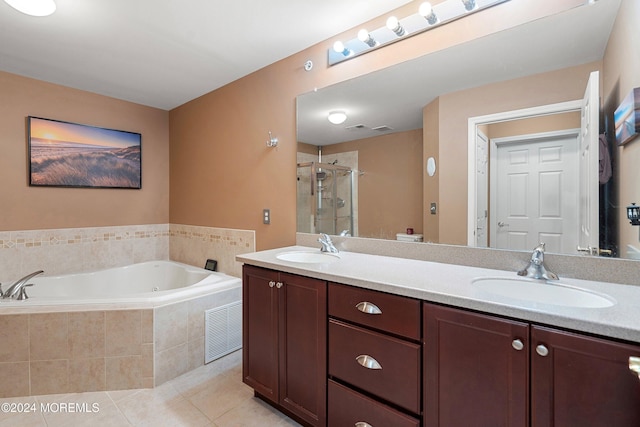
222 331
383 128
356 127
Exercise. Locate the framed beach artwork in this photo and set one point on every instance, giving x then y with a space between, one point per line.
63 154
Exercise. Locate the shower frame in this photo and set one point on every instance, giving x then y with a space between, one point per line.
316 194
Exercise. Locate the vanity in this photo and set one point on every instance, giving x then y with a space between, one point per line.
365 340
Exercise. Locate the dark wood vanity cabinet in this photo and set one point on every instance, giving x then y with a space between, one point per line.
485 370
284 341
375 358
578 380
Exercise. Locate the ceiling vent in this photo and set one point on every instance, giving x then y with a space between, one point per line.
356 127
383 128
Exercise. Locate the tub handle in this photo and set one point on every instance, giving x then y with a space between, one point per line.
23 292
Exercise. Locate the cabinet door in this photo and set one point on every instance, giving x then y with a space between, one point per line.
260 331
578 380
303 344
476 369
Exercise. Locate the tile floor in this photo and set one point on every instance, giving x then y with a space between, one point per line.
210 396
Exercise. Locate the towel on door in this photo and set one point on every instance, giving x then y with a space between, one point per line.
605 160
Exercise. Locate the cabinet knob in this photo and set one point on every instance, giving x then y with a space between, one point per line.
368 362
368 307
517 344
279 285
542 350
634 365
271 283
363 424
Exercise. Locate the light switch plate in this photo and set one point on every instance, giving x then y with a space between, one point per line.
266 216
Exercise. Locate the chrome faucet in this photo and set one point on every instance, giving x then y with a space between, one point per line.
327 244
17 291
536 268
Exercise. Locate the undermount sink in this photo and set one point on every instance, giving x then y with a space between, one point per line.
307 257
545 292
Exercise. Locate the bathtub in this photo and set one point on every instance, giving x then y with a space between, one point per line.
145 284
120 328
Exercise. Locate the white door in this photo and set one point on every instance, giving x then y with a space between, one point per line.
482 189
588 219
535 189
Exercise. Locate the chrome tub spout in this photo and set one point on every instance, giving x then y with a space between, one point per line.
16 291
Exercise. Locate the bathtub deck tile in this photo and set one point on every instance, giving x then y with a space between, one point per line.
49 376
14 336
87 334
123 372
123 333
48 336
15 379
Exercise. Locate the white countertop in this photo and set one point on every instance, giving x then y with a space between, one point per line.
452 285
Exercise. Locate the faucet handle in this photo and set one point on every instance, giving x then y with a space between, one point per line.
23 292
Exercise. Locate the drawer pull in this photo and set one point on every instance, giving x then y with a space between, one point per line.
517 344
271 283
634 365
363 424
368 362
369 308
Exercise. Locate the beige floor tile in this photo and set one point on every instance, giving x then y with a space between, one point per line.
17 414
220 395
253 413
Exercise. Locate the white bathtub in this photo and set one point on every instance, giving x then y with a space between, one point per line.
147 284
152 313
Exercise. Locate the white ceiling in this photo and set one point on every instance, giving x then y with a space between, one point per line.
163 53
395 96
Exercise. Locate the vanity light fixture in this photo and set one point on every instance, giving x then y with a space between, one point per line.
426 11
33 7
633 214
394 25
469 4
427 17
365 37
339 47
337 117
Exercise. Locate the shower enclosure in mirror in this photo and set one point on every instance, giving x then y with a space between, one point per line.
325 198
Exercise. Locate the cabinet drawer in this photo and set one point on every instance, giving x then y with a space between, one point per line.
347 408
398 315
383 365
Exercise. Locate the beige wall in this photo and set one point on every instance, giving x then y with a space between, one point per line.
222 173
455 109
25 208
390 188
431 184
621 75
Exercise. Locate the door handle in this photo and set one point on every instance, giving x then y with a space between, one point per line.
502 224
588 250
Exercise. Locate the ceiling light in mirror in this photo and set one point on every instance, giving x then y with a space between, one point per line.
426 11
394 25
33 7
337 117
365 37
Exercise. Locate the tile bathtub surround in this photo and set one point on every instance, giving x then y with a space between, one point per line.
73 250
75 352
193 245
180 333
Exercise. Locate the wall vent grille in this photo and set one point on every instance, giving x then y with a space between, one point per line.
223 331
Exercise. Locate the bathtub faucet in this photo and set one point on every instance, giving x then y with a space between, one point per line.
16 291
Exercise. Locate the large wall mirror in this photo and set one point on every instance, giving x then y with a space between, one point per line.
367 176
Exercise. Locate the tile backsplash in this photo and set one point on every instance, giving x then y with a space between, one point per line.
74 250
